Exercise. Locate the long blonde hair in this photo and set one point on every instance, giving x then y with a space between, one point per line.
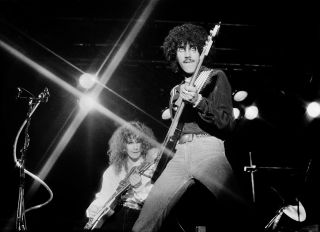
117 144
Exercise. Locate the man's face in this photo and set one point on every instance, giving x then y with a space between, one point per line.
188 58
134 149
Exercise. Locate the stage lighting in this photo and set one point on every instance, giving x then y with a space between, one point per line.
87 81
87 103
236 113
251 112
313 109
240 95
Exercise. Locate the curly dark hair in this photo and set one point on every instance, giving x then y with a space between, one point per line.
181 35
122 136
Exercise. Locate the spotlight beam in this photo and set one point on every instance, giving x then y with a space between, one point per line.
81 115
104 79
76 121
114 63
46 73
130 103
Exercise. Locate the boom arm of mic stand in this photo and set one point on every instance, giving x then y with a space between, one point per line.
253 168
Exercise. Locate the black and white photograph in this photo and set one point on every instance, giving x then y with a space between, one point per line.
159 116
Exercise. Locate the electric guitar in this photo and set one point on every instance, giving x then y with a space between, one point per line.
108 208
168 146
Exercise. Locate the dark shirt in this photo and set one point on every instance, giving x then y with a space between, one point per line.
214 113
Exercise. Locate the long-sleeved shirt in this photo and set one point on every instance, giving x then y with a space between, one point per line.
110 182
214 113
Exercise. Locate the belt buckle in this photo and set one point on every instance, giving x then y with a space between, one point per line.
186 138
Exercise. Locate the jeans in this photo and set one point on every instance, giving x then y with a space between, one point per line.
202 159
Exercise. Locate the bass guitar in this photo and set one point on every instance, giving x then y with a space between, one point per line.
168 146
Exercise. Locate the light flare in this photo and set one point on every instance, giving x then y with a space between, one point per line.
74 125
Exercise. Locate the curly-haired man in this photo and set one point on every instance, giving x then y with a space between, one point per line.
207 120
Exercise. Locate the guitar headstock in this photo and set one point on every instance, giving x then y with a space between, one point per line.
211 36
214 32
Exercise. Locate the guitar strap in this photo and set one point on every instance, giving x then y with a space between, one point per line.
202 79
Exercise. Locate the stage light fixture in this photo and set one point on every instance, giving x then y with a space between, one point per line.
87 80
251 112
236 113
240 95
313 109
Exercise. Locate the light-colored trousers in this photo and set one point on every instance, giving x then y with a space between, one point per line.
202 159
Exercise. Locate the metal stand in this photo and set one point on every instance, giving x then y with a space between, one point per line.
21 218
252 168
33 103
21 224
296 213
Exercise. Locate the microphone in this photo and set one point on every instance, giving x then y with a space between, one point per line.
19 92
44 96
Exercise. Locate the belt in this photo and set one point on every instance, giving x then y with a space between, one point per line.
132 205
189 137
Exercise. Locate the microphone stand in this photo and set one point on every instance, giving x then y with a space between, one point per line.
252 168
21 218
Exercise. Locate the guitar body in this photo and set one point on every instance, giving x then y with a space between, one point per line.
167 152
109 207
98 223
102 215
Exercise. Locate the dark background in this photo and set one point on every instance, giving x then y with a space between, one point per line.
268 49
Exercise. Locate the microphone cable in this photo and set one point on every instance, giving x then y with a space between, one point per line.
18 163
